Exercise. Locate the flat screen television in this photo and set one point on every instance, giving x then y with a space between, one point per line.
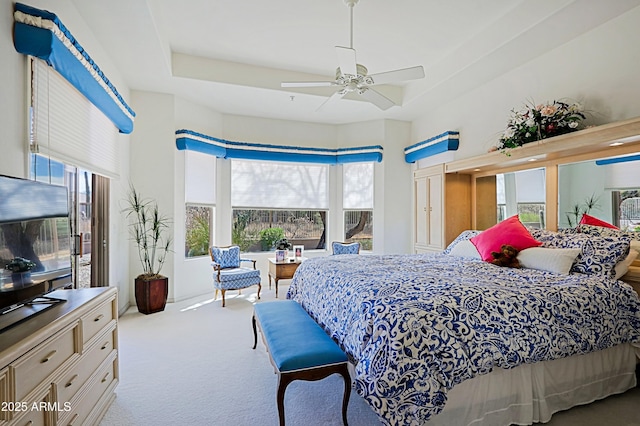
35 242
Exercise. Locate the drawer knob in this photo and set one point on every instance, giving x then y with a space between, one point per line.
70 382
104 379
105 346
73 419
48 357
98 318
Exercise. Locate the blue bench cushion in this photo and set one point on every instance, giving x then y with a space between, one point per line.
285 325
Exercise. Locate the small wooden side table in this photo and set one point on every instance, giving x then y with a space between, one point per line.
282 270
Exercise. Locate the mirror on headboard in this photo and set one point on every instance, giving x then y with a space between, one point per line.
609 191
522 193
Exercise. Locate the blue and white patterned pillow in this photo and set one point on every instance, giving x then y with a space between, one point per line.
464 235
598 256
226 257
600 231
342 248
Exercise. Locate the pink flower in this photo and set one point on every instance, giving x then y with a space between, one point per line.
548 110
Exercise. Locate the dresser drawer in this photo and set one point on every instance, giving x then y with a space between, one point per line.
96 391
35 366
39 412
71 382
96 320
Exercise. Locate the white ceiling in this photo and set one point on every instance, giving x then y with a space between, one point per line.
231 55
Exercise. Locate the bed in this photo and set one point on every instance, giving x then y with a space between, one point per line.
451 339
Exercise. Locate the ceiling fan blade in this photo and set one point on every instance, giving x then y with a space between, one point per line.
307 83
347 60
412 73
337 95
377 98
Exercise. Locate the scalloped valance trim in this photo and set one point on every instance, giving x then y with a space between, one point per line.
40 33
194 141
447 141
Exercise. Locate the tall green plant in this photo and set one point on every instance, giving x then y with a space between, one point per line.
574 216
149 229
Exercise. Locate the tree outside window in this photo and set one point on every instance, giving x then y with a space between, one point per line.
198 221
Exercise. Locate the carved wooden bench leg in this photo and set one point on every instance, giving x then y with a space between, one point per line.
304 352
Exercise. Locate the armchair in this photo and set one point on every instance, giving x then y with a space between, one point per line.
345 248
227 272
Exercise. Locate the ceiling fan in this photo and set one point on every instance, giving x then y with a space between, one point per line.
352 77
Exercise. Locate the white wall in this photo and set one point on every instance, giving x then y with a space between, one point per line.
598 69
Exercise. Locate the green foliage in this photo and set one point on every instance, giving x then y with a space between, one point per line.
283 244
239 234
270 236
148 229
197 238
20 264
574 216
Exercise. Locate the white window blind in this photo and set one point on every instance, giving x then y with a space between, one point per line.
69 127
200 178
270 184
357 186
530 186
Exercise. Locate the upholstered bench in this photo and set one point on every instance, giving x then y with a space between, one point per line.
299 348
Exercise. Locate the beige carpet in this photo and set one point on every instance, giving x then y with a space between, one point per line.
193 365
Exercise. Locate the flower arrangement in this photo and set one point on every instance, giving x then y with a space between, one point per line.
537 122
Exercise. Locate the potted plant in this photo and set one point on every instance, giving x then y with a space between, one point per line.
284 244
149 230
20 270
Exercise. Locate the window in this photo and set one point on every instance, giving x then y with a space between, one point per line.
522 193
198 224
200 195
357 202
626 209
274 200
258 230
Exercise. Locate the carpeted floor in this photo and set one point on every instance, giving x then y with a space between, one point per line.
193 365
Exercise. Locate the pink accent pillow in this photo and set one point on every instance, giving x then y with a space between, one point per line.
594 221
510 231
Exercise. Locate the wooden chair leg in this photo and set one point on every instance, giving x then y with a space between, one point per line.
259 288
223 292
215 295
255 332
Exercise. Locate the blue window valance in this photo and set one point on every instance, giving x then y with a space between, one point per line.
41 34
194 141
447 141
616 160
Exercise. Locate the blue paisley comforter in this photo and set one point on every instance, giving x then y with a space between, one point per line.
417 325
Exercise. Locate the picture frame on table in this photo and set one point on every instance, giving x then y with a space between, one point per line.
280 254
298 252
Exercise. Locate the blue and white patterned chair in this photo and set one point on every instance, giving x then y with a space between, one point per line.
345 248
227 272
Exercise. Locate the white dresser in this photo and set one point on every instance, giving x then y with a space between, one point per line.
60 367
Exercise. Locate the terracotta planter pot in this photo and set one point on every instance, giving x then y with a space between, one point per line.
151 295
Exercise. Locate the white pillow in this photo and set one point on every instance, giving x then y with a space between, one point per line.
622 267
548 259
465 248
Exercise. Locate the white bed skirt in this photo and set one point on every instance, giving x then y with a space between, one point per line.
531 393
